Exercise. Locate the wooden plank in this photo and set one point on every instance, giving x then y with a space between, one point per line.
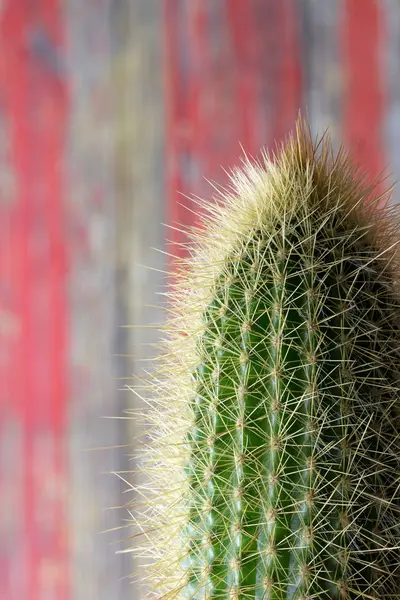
364 93
233 80
95 569
139 176
35 105
322 67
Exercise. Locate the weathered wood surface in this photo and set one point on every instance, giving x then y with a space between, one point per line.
110 112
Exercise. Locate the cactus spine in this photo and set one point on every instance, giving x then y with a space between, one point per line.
275 453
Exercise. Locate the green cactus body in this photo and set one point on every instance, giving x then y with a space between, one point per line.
277 442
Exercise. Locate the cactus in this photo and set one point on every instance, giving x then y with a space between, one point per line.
273 447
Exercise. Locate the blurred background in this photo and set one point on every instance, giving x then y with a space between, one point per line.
110 110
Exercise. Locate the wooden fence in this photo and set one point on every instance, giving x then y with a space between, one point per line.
111 111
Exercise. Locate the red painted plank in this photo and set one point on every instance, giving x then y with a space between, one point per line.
35 102
13 90
364 98
232 80
280 70
245 65
290 98
175 111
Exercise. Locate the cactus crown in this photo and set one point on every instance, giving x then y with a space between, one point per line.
274 451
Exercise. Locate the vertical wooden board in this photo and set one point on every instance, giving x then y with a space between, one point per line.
363 39
96 570
233 81
34 107
322 67
136 78
12 459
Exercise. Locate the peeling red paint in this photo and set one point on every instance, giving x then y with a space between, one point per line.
34 101
363 39
223 93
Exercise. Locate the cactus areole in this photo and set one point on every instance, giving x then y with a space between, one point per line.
275 415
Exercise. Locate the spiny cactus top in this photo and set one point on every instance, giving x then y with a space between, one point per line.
275 452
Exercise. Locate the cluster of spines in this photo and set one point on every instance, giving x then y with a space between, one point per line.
278 409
